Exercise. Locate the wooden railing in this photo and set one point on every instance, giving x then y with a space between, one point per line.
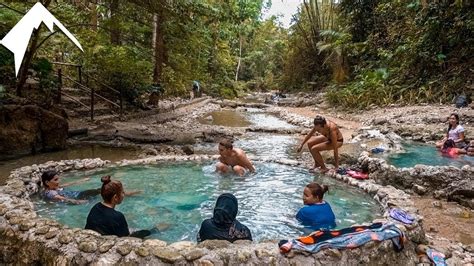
85 87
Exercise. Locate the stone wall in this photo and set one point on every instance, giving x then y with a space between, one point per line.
29 239
447 182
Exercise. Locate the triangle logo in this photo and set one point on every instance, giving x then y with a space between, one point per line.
18 37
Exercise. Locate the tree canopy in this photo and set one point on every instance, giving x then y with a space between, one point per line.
359 52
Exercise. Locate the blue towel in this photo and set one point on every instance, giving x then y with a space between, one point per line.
357 239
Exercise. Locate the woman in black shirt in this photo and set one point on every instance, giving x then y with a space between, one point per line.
103 218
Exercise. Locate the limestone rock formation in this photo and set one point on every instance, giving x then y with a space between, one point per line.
29 129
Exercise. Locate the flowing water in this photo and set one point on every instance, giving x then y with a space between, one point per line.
416 153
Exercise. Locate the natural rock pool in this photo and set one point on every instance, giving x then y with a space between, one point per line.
417 153
180 195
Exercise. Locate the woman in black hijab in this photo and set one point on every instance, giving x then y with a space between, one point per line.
223 225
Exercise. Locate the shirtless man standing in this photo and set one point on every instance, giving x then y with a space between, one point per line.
233 159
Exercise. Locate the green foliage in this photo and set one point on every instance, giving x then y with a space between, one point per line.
305 65
121 68
426 48
44 71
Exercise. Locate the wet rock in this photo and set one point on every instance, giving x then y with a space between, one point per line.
194 253
243 256
15 220
214 244
124 248
51 233
143 251
182 245
88 246
154 243
106 246
3 210
66 237
188 149
27 225
263 253
42 230
205 263
167 254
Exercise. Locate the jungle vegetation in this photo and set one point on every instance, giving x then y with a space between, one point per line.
361 53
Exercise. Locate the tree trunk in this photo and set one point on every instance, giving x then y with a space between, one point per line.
115 23
159 47
29 54
240 58
94 20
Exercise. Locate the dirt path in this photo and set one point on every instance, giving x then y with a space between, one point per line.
448 220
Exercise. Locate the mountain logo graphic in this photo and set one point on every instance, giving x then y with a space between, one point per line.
17 39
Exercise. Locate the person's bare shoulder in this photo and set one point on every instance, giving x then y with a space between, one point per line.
239 152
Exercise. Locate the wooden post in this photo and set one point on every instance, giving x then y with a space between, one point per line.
92 104
92 98
121 102
60 85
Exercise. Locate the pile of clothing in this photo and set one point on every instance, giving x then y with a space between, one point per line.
353 172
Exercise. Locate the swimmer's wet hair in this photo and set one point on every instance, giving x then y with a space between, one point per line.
47 176
317 190
110 188
319 120
226 143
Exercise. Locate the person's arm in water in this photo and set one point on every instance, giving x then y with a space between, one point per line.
85 179
246 162
310 134
133 192
68 200
334 145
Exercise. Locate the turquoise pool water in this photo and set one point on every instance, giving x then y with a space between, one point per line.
179 196
428 155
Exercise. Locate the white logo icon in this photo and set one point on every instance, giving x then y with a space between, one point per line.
18 38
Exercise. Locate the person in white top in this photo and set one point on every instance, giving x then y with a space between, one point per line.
455 133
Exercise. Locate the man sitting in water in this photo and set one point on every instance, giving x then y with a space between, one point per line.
233 159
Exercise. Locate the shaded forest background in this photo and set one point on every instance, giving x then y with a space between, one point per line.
361 53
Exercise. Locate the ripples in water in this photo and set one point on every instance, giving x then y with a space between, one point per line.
179 196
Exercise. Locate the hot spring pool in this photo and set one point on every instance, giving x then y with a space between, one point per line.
180 195
417 153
